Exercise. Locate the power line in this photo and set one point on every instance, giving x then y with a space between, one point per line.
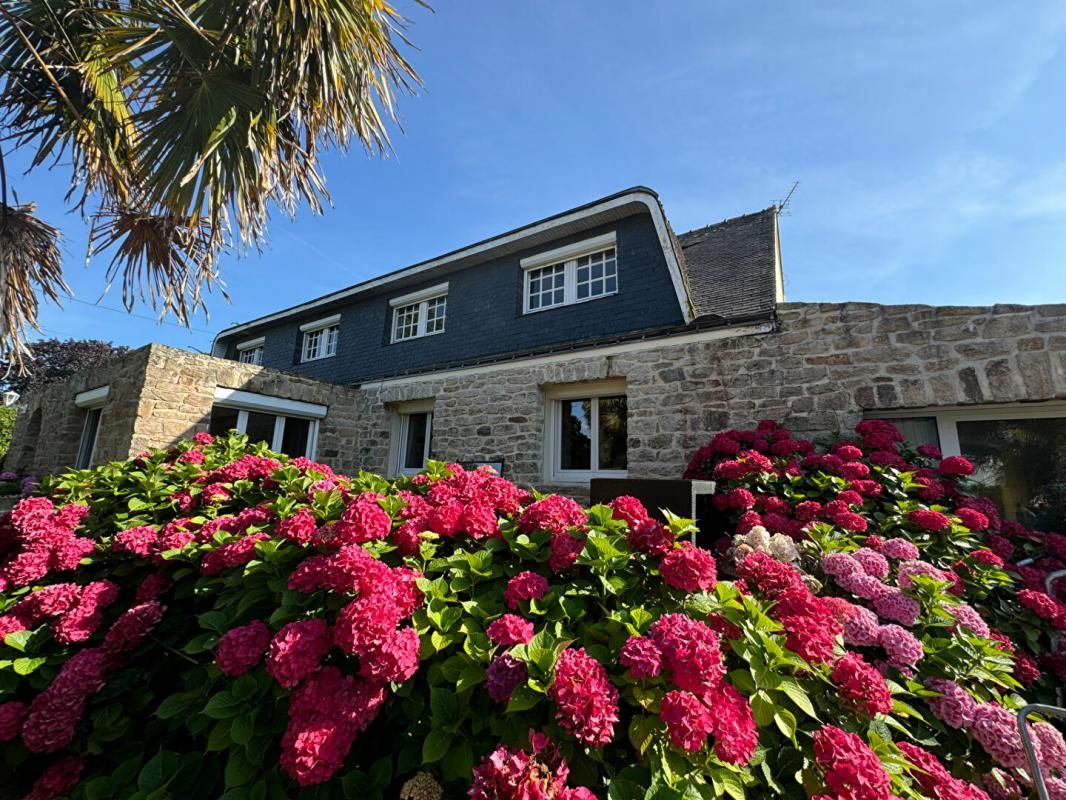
140 316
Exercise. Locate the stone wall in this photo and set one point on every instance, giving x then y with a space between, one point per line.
49 426
822 368
825 366
159 395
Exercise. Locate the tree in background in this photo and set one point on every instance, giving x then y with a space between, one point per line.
182 123
50 360
7 427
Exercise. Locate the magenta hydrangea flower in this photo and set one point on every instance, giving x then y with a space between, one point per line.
525 586
12 714
687 720
239 649
297 649
689 568
641 656
503 676
586 702
510 629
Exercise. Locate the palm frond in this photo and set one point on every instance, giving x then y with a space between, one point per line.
30 267
158 258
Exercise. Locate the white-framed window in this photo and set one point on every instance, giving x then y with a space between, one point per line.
320 338
1016 449
586 432
92 401
576 273
412 435
420 313
287 426
251 352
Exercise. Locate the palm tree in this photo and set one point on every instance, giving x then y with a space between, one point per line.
182 124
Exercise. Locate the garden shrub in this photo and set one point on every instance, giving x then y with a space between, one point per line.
217 620
7 428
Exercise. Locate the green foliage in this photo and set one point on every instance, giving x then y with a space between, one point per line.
7 427
169 723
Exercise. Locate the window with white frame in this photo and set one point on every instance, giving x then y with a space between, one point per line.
576 273
92 401
586 432
420 313
251 352
1018 452
286 426
320 338
412 434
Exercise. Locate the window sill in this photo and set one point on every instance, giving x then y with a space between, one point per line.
316 358
528 311
581 478
415 338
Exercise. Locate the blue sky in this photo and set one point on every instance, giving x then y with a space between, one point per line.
927 139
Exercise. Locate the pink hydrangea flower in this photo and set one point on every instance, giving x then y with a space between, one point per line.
641 656
12 714
631 510
239 649
510 629
901 646
862 628
689 569
296 650
687 719
650 536
525 586
899 549
873 563
586 702
996 730
892 604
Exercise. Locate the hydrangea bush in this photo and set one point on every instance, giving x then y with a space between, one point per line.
216 620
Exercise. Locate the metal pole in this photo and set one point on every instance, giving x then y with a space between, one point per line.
1027 742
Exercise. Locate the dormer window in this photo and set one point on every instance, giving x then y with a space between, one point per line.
251 352
420 313
320 338
576 273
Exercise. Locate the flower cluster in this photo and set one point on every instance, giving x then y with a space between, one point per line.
586 703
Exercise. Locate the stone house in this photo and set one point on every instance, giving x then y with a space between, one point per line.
594 342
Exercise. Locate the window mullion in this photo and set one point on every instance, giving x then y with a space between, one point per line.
570 282
429 438
242 421
594 456
423 310
279 433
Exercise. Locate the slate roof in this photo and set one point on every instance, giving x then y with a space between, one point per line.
731 267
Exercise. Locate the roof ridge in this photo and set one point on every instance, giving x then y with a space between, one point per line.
727 220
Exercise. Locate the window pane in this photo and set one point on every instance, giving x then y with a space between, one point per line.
414 448
596 274
260 427
311 342
612 445
252 355
406 322
918 431
331 340
1020 464
223 420
294 439
546 286
435 310
88 438
575 445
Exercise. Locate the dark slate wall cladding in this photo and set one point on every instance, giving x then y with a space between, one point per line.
484 315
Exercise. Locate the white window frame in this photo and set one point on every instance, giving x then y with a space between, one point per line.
947 417
567 257
93 402
330 333
554 398
243 402
251 351
401 416
421 299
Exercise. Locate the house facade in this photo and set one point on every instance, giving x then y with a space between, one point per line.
595 342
